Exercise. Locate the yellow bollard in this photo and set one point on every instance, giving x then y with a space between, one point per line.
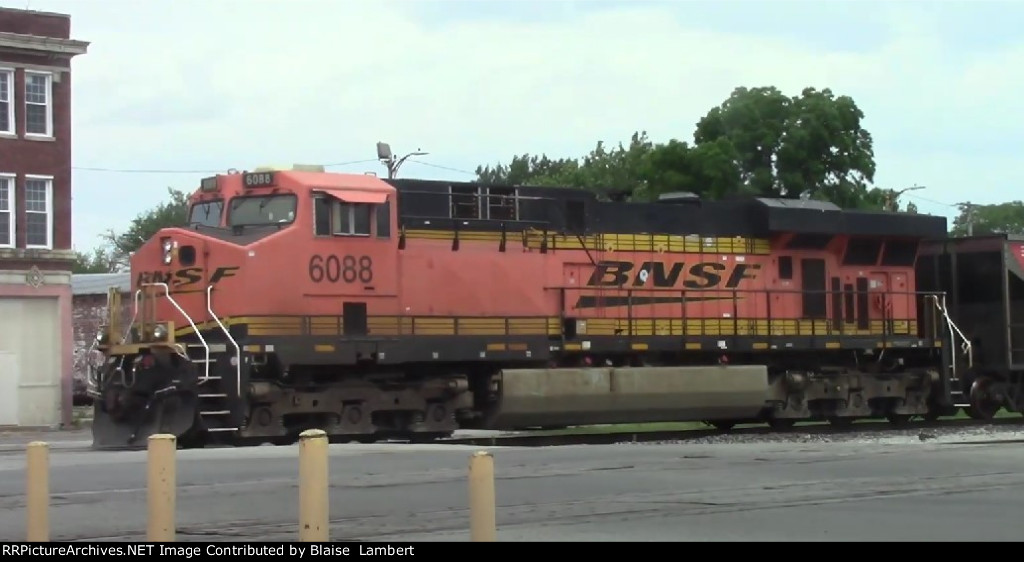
37 492
162 488
482 525
314 487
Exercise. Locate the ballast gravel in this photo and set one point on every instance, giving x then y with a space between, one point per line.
880 437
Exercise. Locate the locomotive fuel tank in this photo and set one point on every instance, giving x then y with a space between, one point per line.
552 397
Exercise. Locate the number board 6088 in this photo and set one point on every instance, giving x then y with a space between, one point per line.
258 179
344 269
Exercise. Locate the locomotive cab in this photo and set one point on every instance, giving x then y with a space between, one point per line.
197 287
353 249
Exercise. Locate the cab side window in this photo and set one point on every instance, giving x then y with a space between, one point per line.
322 216
352 219
384 220
333 217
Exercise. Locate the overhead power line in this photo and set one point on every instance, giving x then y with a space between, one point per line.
931 200
442 167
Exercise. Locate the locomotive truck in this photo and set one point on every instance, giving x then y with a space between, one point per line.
400 308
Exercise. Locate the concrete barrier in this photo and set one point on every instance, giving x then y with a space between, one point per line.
314 487
482 524
161 488
314 490
37 492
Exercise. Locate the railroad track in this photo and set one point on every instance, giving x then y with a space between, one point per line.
880 428
609 438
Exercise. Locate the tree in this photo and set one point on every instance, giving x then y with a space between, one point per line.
621 169
787 146
119 246
708 170
757 142
602 170
99 262
1002 218
529 169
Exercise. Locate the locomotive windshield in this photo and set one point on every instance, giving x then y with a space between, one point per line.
255 210
206 213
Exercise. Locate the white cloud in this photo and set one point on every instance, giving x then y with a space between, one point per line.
239 83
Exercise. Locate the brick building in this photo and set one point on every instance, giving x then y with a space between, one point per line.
35 217
89 312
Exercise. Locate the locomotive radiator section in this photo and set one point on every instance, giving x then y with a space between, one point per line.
561 397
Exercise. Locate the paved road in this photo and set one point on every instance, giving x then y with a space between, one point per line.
739 492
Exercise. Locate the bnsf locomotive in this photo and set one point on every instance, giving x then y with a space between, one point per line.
374 308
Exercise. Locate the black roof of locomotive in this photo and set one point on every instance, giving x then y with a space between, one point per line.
426 204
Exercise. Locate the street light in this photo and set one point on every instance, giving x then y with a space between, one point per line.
388 159
891 203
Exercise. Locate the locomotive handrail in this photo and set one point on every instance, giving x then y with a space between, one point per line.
837 323
238 350
730 290
470 222
135 314
206 347
968 347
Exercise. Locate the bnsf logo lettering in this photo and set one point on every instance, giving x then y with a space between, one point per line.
184 277
704 275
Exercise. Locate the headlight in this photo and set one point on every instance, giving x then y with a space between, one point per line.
160 332
101 336
168 246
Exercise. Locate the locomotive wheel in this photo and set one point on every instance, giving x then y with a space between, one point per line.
984 403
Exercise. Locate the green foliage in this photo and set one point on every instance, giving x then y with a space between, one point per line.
709 170
119 246
786 146
757 142
98 262
1003 218
602 170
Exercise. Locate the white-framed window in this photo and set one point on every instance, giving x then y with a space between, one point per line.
331 216
351 219
7 101
6 210
39 212
38 104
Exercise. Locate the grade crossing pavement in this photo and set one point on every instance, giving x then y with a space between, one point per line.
780 491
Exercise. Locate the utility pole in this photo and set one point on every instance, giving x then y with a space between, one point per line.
968 209
388 159
892 199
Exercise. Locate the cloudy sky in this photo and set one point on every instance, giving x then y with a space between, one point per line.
172 91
